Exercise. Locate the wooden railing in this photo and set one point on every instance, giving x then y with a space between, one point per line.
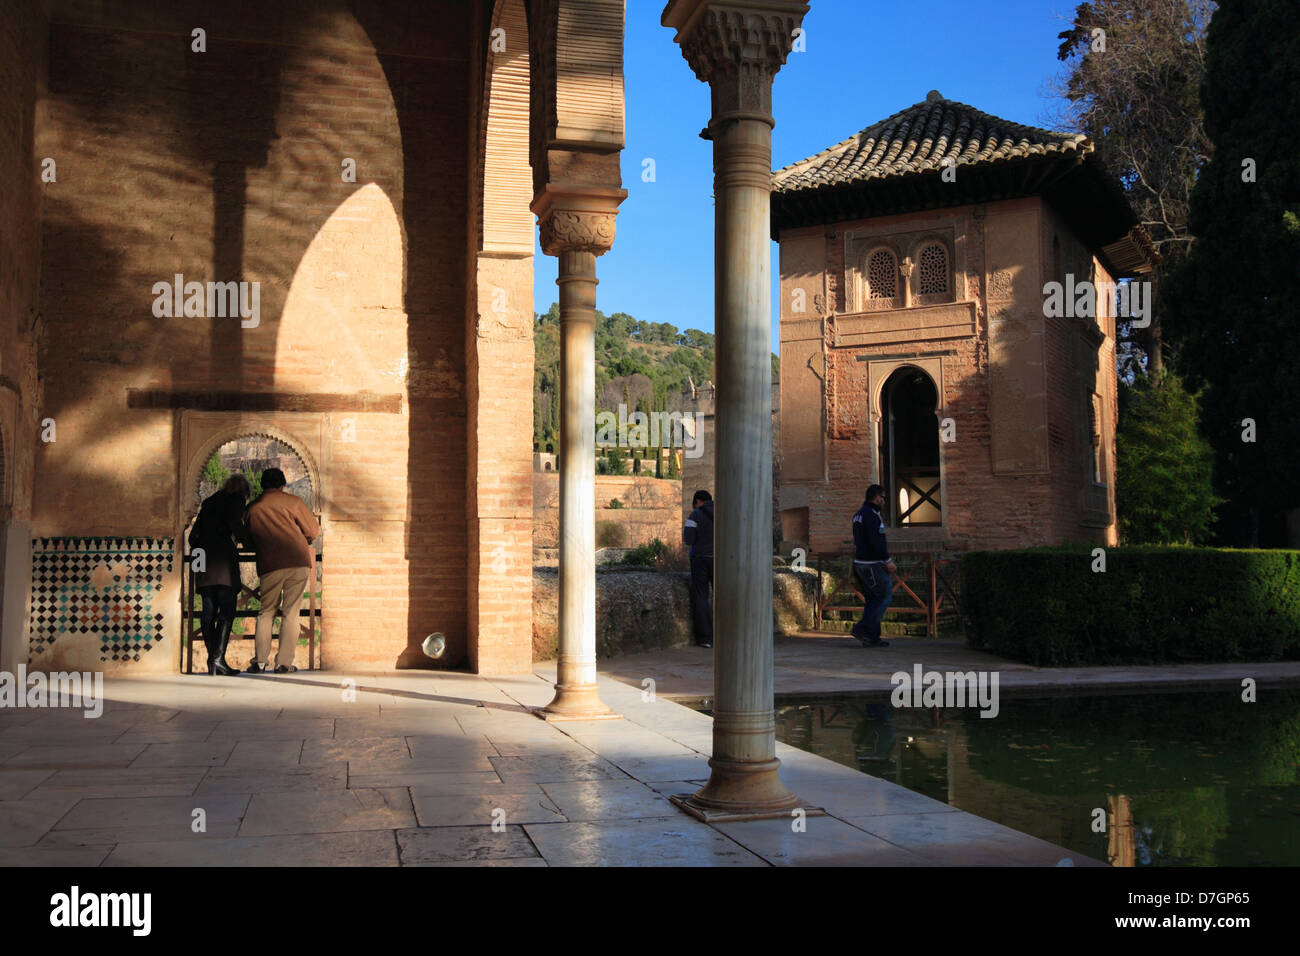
926 584
192 621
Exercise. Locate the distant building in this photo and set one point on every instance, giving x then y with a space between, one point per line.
916 346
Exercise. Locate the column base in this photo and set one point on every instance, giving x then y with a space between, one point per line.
576 702
743 790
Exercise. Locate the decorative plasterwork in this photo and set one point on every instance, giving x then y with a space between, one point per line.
736 47
577 219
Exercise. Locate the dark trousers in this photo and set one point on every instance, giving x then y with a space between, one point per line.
878 591
701 586
218 607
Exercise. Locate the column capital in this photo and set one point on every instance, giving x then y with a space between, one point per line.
577 218
737 47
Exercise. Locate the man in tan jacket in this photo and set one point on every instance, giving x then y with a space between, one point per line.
282 529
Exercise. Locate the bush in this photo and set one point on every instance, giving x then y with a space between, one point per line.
610 534
1046 606
615 504
1164 487
648 555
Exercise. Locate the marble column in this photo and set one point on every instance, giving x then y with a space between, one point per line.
577 227
737 47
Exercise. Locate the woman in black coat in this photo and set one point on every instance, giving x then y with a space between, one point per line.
219 531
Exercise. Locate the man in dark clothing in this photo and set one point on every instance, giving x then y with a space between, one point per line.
872 566
219 531
698 536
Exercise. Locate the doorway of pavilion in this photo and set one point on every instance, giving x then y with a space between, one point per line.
249 454
910 449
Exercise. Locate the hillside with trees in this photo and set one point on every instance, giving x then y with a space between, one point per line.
643 365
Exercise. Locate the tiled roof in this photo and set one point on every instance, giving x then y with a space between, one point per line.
919 139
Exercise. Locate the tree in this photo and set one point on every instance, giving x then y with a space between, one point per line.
1135 73
1165 470
1233 304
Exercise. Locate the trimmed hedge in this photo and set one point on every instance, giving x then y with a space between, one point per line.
1046 606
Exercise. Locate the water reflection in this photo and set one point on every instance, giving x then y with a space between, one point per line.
1139 780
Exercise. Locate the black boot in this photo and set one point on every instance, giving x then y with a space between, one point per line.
211 642
223 638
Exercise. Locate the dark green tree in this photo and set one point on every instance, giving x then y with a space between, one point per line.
1134 74
1233 304
1165 469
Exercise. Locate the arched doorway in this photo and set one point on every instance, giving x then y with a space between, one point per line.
249 452
910 449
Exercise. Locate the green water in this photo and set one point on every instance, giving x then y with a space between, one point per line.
1198 779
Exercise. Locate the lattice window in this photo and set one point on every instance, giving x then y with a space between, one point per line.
934 270
882 275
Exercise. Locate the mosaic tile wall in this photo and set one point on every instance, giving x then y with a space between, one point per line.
106 590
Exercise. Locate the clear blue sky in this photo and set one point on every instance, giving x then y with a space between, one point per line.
865 59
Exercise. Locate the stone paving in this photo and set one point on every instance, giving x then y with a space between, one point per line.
425 769
818 663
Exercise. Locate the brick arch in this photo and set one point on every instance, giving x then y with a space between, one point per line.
879 373
194 468
505 221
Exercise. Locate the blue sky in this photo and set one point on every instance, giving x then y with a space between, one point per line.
865 60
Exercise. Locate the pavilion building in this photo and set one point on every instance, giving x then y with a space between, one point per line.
921 347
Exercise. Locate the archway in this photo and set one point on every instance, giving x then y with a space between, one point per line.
910 448
249 451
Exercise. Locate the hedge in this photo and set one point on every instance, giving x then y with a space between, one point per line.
1046 606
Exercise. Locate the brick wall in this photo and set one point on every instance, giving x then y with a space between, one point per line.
983 508
227 165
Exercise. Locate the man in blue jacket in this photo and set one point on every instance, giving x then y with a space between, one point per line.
698 536
872 566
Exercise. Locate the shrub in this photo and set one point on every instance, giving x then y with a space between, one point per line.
648 555
610 534
1164 487
1046 606
615 504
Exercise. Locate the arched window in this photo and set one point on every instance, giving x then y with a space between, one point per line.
882 275
932 276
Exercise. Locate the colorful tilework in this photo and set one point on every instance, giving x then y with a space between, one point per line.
101 589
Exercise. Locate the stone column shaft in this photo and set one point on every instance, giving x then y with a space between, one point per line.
577 225
737 46
577 618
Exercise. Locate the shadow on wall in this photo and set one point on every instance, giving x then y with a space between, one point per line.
230 174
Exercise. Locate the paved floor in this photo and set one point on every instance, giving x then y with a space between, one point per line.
420 769
815 663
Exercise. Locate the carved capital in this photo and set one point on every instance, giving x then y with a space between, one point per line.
568 230
576 219
737 47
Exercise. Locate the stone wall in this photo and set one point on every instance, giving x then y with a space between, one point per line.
649 610
651 509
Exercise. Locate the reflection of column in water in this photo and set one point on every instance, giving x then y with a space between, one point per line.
874 736
1119 831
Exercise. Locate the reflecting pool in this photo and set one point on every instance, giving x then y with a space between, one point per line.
1151 779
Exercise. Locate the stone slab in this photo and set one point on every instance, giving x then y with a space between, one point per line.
481 809
667 841
472 844
363 848
328 812
581 800
822 841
